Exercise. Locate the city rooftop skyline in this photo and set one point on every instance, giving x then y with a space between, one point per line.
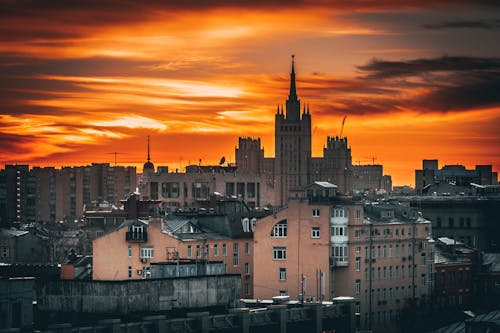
82 81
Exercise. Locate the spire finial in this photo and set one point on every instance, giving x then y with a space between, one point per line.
149 158
293 90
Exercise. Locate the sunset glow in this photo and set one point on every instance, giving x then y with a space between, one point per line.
80 82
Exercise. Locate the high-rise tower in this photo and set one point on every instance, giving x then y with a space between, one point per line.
292 140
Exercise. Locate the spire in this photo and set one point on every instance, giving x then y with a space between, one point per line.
293 90
149 158
149 165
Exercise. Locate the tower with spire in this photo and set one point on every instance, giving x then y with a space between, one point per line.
292 142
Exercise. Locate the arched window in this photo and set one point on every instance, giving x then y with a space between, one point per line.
245 223
280 230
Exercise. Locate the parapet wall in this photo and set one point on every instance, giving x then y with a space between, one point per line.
132 296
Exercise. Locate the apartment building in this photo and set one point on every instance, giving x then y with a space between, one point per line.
204 236
322 246
388 251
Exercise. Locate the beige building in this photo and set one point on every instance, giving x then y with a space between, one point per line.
321 247
388 262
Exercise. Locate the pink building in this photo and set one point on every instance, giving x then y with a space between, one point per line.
129 251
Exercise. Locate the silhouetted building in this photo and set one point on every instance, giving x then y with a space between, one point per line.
454 175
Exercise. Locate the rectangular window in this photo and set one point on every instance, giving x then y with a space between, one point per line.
315 232
198 251
224 250
130 251
247 248
190 251
315 212
358 214
279 253
357 233
247 268
207 250
390 251
282 274
358 264
357 286
147 252
236 260
358 249
216 250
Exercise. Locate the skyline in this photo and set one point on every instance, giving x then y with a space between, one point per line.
82 81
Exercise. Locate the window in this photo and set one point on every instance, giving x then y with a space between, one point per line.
247 248
451 222
339 252
224 250
280 230
390 251
170 190
279 253
357 233
357 286
358 264
198 251
358 214
147 252
339 212
216 250
247 268
315 212
129 271
190 251
282 274
423 280
358 249
130 251
315 232
236 260
339 231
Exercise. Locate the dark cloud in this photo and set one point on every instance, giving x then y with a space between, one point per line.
380 69
465 24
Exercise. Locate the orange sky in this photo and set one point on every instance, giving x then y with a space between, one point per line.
81 81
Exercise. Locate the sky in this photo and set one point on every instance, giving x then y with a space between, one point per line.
83 80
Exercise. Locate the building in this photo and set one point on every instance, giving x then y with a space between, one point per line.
322 246
455 175
261 181
292 248
466 219
224 233
370 179
19 246
50 195
453 264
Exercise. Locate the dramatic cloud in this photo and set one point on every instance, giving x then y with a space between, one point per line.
465 24
79 80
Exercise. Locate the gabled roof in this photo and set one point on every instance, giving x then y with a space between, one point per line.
127 223
176 223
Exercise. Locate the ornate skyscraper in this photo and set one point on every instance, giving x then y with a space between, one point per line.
292 140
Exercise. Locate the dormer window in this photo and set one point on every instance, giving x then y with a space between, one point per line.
280 230
245 223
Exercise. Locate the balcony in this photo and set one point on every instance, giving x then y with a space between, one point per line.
136 237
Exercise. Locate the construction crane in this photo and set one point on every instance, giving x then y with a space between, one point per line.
115 153
342 127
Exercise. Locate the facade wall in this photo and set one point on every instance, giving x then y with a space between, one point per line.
127 297
111 260
393 268
453 284
306 257
181 190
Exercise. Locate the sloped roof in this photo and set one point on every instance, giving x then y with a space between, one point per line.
12 233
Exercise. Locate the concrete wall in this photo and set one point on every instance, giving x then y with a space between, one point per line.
124 297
